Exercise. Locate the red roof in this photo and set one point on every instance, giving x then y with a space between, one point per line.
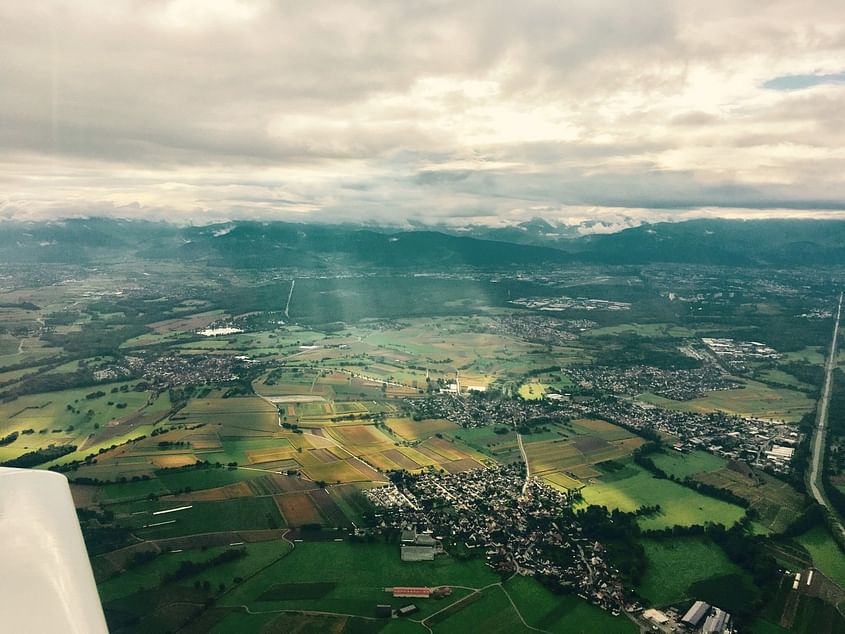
415 591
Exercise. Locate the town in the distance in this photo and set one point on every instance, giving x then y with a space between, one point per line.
312 428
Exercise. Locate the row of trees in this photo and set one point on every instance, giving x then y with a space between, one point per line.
39 456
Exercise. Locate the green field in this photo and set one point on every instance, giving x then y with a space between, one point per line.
361 572
149 574
813 355
238 622
533 391
643 330
70 412
826 555
676 564
762 626
235 449
732 592
564 614
502 447
203 517
379 341
489 611
248 413
136 489
679 505
198 479
686 465
784 378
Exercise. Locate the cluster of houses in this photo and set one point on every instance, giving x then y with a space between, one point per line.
563 303
173 369
519 527
679 385
760 443
480 412
541 329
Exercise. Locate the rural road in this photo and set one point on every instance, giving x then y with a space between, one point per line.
475 591
290 294
525 460
817 444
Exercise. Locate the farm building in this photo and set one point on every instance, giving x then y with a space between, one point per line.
405 610
422 547
696 613
656 616
781 452
408 536
384 611
416 553
411 592
719 622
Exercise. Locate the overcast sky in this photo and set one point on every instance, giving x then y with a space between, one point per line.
422 111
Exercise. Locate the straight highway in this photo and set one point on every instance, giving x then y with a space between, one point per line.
818 441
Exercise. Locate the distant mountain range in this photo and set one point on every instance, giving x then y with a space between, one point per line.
244 244
539 231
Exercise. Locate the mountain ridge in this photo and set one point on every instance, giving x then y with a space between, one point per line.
261 244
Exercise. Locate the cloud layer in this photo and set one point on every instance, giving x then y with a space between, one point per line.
462 112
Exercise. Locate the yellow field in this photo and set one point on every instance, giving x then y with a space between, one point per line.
349 407
601 428
172 461
584 472
312 441
415 430
434 452
561 481
228 492
308 459
418 457
551 454
380 461
204 441
444 448
457 466
401 459
339 452
359 436
186 324
257 456
533 391
339 471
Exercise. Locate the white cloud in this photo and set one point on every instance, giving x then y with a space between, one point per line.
426 111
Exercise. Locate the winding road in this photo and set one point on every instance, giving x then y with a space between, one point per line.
818 441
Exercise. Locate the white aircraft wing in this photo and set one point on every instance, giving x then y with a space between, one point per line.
46 582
